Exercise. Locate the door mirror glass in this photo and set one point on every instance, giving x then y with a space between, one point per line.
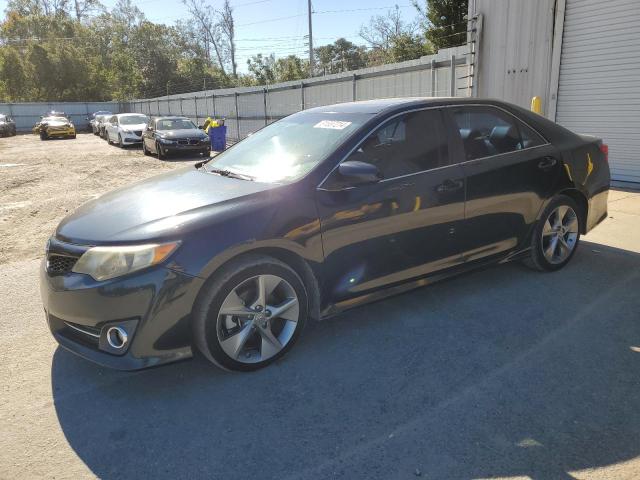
357 172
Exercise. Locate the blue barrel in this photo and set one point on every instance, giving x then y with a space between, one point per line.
218 136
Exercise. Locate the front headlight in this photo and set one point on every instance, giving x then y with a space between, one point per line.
166 140
103 263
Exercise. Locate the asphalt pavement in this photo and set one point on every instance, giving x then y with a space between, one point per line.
502 373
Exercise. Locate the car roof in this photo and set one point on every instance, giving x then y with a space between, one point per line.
390 104
172 117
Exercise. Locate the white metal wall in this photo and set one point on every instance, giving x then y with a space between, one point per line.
514 49
599 86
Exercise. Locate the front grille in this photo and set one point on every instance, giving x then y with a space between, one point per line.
188 141
60 264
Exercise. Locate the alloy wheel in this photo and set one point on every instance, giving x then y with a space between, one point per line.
560 234
258 318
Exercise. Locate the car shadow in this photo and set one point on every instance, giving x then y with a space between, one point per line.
502 372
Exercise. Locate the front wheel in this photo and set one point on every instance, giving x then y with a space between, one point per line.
43 135
120 143
144 148
160 151
251 314
556 236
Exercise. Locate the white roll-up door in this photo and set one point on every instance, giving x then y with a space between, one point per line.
599 86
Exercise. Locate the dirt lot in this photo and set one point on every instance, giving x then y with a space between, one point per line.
504 373
41 181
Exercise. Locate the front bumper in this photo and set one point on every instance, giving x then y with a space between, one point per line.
175 148
130 138
66 132
153 305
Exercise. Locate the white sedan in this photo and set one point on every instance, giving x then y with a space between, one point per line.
126 128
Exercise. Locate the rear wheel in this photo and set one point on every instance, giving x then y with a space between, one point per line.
556 236
251 314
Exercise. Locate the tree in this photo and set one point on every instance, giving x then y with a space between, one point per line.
340 56
444 21
12 74
383 29
227 27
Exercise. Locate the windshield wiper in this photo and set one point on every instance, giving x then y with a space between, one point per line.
228 173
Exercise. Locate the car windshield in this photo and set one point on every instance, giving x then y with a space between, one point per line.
290 148
133 120
101 113
175 124
54 119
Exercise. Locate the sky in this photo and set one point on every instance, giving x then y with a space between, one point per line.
279 26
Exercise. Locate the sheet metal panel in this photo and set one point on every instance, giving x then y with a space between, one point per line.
599 92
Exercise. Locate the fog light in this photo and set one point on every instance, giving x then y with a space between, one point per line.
117 337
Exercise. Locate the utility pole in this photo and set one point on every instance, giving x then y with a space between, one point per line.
311 62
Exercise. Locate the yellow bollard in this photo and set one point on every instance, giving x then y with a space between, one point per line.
536 105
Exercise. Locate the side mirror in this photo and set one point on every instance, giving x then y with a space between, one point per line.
149 129
359 173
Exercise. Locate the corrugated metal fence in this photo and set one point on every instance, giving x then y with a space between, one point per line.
27 114
249 109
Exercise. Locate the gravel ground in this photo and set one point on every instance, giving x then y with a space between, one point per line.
41 181
503 373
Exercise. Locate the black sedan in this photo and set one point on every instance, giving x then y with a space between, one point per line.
324 210
166 135
7 126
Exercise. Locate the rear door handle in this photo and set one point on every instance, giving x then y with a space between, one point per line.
546 163
450 186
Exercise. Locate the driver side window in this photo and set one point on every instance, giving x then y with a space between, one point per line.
407 144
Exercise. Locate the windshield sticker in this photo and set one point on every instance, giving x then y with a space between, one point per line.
332 124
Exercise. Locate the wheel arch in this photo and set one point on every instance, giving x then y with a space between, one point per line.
582 202
291 259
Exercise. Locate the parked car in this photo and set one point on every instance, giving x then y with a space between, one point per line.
54 127
166 135
324 210
7 126
93 120
99 122
105 121
126 128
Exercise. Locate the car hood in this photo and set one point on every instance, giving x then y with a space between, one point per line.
190 132
56 123
155 208
138 126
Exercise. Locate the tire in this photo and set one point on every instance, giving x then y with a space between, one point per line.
242 275
120 144
43 135
161 154
144 149
551 248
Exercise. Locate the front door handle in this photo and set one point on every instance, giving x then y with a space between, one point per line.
546 163
400 186
449 186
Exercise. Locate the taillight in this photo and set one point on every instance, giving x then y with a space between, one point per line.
604 148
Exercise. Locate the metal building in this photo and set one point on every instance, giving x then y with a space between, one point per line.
579 56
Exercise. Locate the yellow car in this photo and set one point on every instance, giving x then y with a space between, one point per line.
54 127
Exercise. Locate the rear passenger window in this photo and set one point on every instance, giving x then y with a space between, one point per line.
407 144
488 131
